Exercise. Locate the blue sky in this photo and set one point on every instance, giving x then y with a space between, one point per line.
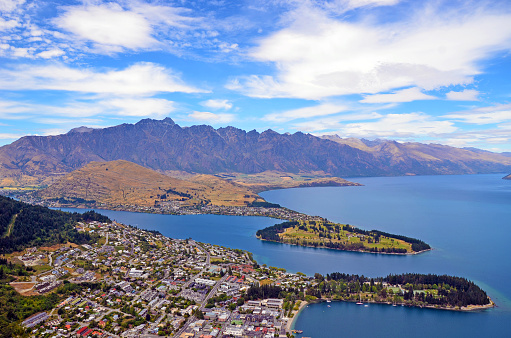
427 71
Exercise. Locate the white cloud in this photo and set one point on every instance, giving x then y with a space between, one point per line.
360 3
484 115
48 54
53 132
12 108
341 6
7 24
73 111
131 25
306 112
217 104
464 95
139 79
404 95
210 117
499 138
9 136
141 107
334 122
410 125
108 26
318 56
7 6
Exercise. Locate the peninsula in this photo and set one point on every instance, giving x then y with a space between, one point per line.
324 234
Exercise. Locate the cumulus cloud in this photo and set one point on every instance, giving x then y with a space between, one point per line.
217 104
108 26
405 95
7 24
7 6
127 26
210 117
48 54
464 95
319 56
139 79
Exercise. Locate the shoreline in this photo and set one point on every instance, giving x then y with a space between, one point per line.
471 308
290 323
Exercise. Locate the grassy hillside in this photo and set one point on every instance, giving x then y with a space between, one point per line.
126 183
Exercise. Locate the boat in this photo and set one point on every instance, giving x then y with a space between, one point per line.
360 300
366 305
328 305
328 301
297 331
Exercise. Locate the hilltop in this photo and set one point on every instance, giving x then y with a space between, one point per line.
164 146
114 183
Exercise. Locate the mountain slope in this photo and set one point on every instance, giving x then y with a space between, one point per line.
126 183
165 146
32 225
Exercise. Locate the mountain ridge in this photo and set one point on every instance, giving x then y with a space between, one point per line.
163 145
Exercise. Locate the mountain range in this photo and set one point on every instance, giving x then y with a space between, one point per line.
164 146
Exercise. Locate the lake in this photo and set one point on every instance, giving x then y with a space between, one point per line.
466 219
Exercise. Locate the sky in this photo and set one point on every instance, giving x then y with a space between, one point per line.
412 71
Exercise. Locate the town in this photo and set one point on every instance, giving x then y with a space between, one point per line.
129 282
141 283
173 208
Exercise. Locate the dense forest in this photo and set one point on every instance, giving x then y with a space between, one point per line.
23 225
332 229
454 291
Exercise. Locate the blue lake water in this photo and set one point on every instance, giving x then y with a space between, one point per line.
467 219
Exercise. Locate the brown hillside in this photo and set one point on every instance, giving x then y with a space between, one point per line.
122 182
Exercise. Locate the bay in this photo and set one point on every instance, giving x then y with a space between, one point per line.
466 219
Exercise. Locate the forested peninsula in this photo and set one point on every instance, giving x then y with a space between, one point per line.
324 234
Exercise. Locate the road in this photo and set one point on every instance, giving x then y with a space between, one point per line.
212 293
